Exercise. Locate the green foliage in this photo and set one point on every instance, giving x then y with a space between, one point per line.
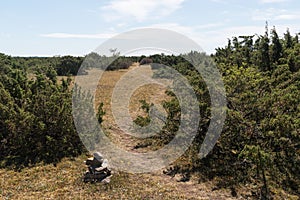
146 61
120 63
260 139
276 47
141 120
100 113
267 99
171 126
69 65
36 117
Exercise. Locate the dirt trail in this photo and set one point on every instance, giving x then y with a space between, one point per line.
153 94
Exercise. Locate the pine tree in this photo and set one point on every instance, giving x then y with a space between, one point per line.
264 53
288 39
276 47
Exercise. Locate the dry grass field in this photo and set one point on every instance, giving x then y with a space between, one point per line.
64 182
152 93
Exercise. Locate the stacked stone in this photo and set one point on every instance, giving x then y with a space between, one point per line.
98 169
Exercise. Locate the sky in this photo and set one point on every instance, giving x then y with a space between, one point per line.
77 27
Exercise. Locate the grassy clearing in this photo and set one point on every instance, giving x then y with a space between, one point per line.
152 93
64 182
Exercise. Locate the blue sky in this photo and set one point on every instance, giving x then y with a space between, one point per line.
77 27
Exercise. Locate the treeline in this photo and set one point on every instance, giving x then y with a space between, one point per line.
70 65
64 66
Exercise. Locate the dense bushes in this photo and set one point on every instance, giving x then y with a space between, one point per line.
68 65
120 63
260 140
36 120
146 61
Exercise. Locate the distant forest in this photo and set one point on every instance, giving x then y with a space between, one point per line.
260 141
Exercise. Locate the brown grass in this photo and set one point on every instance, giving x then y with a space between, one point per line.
152 93
64 182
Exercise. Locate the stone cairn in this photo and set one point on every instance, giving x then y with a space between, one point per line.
98 169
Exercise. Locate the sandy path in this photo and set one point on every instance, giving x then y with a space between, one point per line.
152 93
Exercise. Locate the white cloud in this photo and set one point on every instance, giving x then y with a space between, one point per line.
211 36
139 10
207 36
273 1
78 36
274 14
267 14
219 1
5 35
288 16
175 27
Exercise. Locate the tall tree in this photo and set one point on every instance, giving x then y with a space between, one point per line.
264 53
288 39
276 47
